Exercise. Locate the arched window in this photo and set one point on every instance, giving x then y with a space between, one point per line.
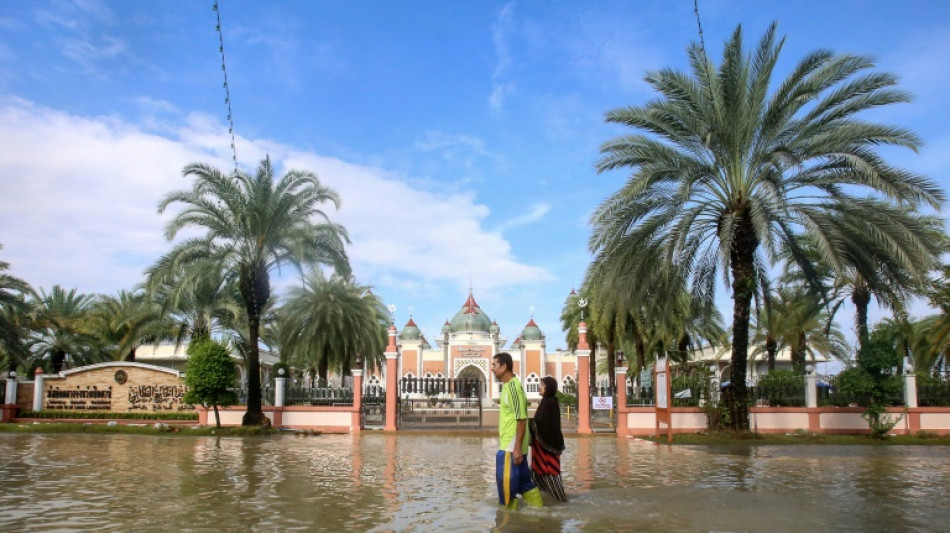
531 383
568 386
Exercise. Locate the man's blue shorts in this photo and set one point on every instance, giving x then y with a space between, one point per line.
512 479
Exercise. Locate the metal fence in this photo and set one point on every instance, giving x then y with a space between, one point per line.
440 402
267 394
787 392
933 392
453 387
299 395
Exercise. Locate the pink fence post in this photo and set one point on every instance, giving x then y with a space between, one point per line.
621 381
583 380
392 369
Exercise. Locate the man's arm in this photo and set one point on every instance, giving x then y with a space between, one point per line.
519 437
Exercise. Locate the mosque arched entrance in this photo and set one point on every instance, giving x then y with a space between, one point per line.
472 382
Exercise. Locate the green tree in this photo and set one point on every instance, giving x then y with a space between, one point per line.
253 223
126 321
198 300
59 323
210 376
328 322
727 174
13 310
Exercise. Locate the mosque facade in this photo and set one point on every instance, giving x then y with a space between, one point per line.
466 345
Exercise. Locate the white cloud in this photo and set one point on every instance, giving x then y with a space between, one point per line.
535 213
80 197
503 27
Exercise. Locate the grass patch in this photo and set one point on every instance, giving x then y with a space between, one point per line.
924 438
140 429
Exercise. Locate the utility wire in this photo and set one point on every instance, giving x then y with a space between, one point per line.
227 89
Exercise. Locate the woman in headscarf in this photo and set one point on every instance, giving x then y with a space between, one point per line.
547 441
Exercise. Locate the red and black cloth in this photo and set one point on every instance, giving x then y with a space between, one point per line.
547 442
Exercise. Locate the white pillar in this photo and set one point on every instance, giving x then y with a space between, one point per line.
714 384
11 389
910 386
279 384
811 387
38 390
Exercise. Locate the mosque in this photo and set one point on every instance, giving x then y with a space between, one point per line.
465 348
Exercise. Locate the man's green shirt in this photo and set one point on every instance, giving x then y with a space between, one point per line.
512 408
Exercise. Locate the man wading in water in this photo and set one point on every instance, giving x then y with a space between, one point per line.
511 464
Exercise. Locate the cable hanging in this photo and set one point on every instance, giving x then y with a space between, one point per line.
227 89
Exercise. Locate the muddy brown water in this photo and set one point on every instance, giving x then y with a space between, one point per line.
444 482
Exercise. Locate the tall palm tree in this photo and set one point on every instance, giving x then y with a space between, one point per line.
13 310
60 325
327 323
252 224
727 174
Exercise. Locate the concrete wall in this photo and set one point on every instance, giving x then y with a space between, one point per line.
828 420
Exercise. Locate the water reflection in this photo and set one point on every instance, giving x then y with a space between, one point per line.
428 482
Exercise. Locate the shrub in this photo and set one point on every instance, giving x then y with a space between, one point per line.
210 376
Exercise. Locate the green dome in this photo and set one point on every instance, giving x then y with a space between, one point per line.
494 329
410 332
447 328
470 318
531 332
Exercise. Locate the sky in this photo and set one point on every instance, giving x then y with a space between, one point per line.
462 136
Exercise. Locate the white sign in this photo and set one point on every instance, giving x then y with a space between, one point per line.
661 400
603 402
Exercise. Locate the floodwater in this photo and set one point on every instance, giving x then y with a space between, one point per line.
444 482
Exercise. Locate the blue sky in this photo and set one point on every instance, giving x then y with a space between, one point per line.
461 135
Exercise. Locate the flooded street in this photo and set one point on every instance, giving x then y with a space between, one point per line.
442 482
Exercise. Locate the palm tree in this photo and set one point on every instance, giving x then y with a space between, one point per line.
253 223
13 309
727 174
60 324
892 270
126 321
328 323
198 300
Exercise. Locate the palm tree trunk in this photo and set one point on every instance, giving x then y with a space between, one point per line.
771 348
255 288
861 298
743 287
798 353
57 360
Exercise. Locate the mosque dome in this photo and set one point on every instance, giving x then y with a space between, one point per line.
410 332
531 332
494 329
470 317
447 328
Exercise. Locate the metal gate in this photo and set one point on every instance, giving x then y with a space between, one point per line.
440 403
373 411
603 409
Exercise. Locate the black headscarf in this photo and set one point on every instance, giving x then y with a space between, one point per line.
546 426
